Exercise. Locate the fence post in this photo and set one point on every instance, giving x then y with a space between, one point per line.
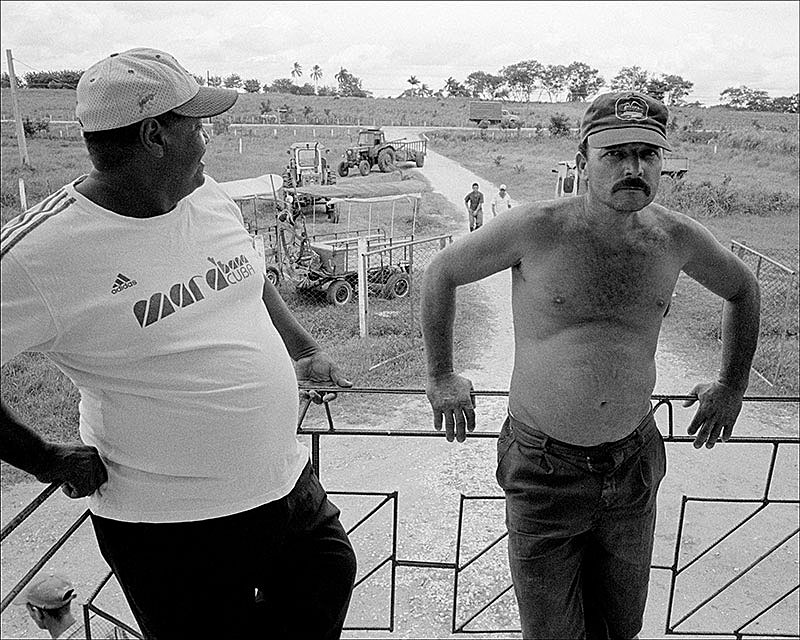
23 199
363 305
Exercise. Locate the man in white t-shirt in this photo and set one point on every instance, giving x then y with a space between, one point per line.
139 282
501 202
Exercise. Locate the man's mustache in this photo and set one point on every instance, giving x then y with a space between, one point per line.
632 183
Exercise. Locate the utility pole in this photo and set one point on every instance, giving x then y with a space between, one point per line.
21 143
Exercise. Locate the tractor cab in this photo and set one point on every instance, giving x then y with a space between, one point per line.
307 165
370 137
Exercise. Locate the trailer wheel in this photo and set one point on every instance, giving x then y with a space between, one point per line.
364 168
343 169
386 159
397 286
420 159
339 293
273 275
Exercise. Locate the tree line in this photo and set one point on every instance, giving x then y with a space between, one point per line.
522 81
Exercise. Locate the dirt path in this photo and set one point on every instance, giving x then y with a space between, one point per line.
430 474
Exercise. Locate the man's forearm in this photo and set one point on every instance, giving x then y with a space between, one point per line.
740 321
438 313
299 343
20 445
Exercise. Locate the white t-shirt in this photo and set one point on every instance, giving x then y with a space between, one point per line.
501 203
186 387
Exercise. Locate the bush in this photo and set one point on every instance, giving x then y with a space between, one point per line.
559 126
707 199
32 127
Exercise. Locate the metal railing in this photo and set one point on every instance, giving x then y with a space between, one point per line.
465 618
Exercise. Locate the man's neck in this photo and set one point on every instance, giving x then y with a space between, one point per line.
126 193
60 626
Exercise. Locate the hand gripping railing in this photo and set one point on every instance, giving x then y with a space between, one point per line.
461 621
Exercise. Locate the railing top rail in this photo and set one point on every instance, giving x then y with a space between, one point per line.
407 244
772 261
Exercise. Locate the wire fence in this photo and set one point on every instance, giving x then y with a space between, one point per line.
778 333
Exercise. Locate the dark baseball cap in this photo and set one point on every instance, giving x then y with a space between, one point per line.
624 117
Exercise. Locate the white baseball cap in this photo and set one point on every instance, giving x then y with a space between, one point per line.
50 591
128 87
502 187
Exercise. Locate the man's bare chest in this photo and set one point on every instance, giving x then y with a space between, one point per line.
580 281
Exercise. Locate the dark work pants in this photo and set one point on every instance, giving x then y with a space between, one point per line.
580 529
199 579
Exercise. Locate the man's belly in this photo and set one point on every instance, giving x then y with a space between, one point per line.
582 393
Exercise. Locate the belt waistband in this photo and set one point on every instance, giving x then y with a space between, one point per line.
534 438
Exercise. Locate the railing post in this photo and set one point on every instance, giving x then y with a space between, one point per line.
363 289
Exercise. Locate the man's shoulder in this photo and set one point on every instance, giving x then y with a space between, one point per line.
44 224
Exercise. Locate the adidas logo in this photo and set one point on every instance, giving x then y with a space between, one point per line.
122 283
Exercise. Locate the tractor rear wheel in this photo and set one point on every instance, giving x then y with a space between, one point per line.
364 168
339 293
343 169
386 160
397 286
420 159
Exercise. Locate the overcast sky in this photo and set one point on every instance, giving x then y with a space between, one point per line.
715 45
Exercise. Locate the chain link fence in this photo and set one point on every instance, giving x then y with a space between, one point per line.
778 333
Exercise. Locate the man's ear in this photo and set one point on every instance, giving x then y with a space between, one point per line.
580 162
35 613
151 136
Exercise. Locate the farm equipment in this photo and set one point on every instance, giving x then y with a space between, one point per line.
330 267
485 111
568 182
373 149
674 167
308 166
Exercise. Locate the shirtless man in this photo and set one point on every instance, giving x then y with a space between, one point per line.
579 457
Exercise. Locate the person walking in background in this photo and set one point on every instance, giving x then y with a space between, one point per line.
580 458
501 201
138 282
48 599
474 203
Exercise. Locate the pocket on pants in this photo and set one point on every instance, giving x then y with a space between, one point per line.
653 462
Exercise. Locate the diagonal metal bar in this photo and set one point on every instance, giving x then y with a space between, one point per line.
738 630
737 577
28 510
43 560
484 608
736 527
484 551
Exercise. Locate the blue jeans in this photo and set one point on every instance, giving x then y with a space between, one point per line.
580 529
199 579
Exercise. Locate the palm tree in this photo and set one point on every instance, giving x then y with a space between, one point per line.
297 70
413 81
342 74
316 74
425 91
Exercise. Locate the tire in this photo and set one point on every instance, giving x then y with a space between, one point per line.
273 275
339 293
397 286
343 169
386 159
364 168
420 160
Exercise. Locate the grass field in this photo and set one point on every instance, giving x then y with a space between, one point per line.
59 104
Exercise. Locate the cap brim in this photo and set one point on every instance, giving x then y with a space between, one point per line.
626 135
209 101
